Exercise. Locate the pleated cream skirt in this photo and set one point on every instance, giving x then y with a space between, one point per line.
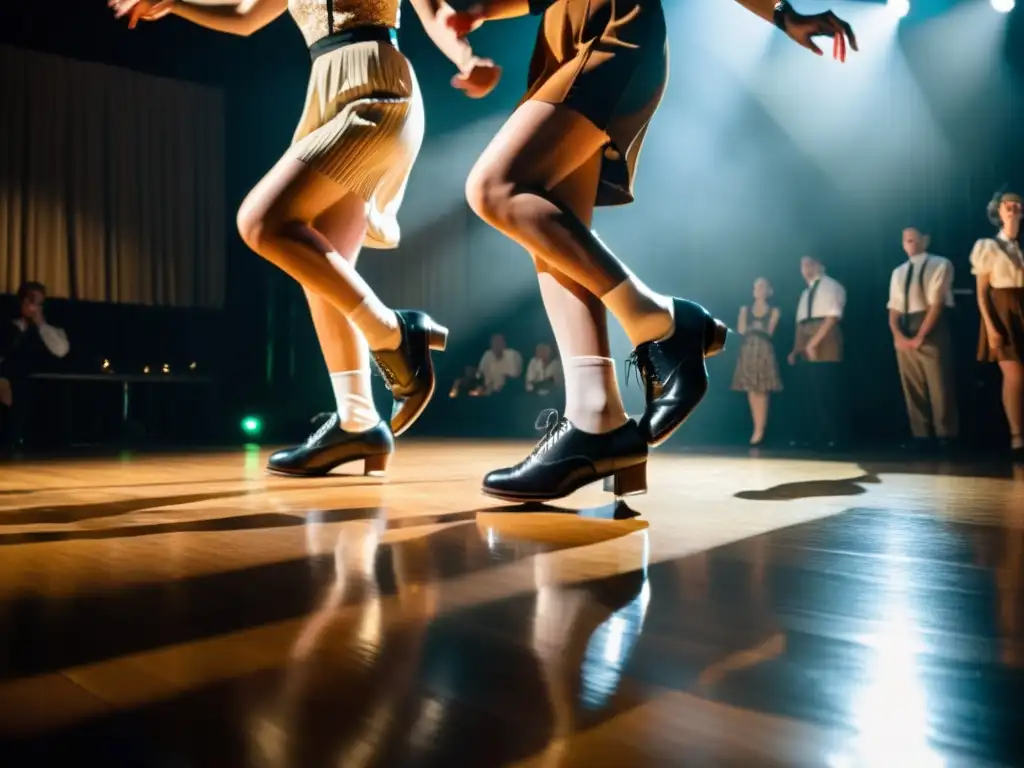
362 126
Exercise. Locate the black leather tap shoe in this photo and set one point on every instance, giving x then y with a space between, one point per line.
672 371
566 459
330 446
409 371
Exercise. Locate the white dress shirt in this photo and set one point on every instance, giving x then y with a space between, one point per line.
829 300
496 370
538 371
53 337
1004 271
937 282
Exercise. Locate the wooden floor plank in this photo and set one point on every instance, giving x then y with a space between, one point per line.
768 610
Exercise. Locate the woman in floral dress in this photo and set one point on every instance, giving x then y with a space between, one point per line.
757 369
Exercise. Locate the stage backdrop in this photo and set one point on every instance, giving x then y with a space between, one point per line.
111 183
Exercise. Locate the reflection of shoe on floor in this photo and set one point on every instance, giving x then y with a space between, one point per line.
567 459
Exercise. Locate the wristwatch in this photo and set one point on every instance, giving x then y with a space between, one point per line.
782 9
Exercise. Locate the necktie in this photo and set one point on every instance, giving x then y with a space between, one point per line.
810 299
907 285
904 322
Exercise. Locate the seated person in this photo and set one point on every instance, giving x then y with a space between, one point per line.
544 373
28 344
499 364
470 384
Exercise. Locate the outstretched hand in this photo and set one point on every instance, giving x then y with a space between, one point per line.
803 28
478 78
140 10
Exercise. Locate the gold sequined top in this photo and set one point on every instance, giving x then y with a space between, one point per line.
314 16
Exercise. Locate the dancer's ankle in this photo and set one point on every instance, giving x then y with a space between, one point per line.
643 314
592 400
378 324
596 423
353 396
387 342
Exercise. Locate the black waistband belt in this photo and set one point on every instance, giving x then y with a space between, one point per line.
350 36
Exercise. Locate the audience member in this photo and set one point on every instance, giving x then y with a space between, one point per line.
920 292
544 372
757 368
28 345
998 265
498 364
818 355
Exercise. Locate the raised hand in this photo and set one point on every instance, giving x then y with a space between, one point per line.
803 28
140 10
478 78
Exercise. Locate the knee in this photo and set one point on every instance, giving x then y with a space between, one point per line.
489 194
262 229
252 225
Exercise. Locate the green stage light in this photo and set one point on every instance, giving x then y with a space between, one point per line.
252 425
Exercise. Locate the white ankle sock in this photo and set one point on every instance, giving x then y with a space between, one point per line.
354 397
592 400
377 323
642 313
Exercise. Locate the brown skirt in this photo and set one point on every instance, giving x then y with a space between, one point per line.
607 60
1007 307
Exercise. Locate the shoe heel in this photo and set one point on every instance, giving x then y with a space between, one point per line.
631 481
437 337
715 334
375 466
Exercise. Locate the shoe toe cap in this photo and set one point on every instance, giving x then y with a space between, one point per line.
279 457
499 480
283 459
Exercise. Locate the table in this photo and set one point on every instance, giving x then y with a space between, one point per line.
126 380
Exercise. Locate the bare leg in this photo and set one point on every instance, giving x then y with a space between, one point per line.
759 413
511 188
345 351
342 345
580 322
276 221
1013 399
593 407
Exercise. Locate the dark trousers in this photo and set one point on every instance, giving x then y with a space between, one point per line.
14 420
820 405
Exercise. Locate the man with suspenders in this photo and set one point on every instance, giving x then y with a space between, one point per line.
920 293
818 357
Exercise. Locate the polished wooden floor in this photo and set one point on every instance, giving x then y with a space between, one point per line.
189 610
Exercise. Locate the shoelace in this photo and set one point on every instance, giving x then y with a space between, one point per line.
556 426
327 426
641 364
386 373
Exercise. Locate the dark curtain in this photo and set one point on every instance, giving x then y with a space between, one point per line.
111 183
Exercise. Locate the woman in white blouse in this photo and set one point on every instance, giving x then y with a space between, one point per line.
998 265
